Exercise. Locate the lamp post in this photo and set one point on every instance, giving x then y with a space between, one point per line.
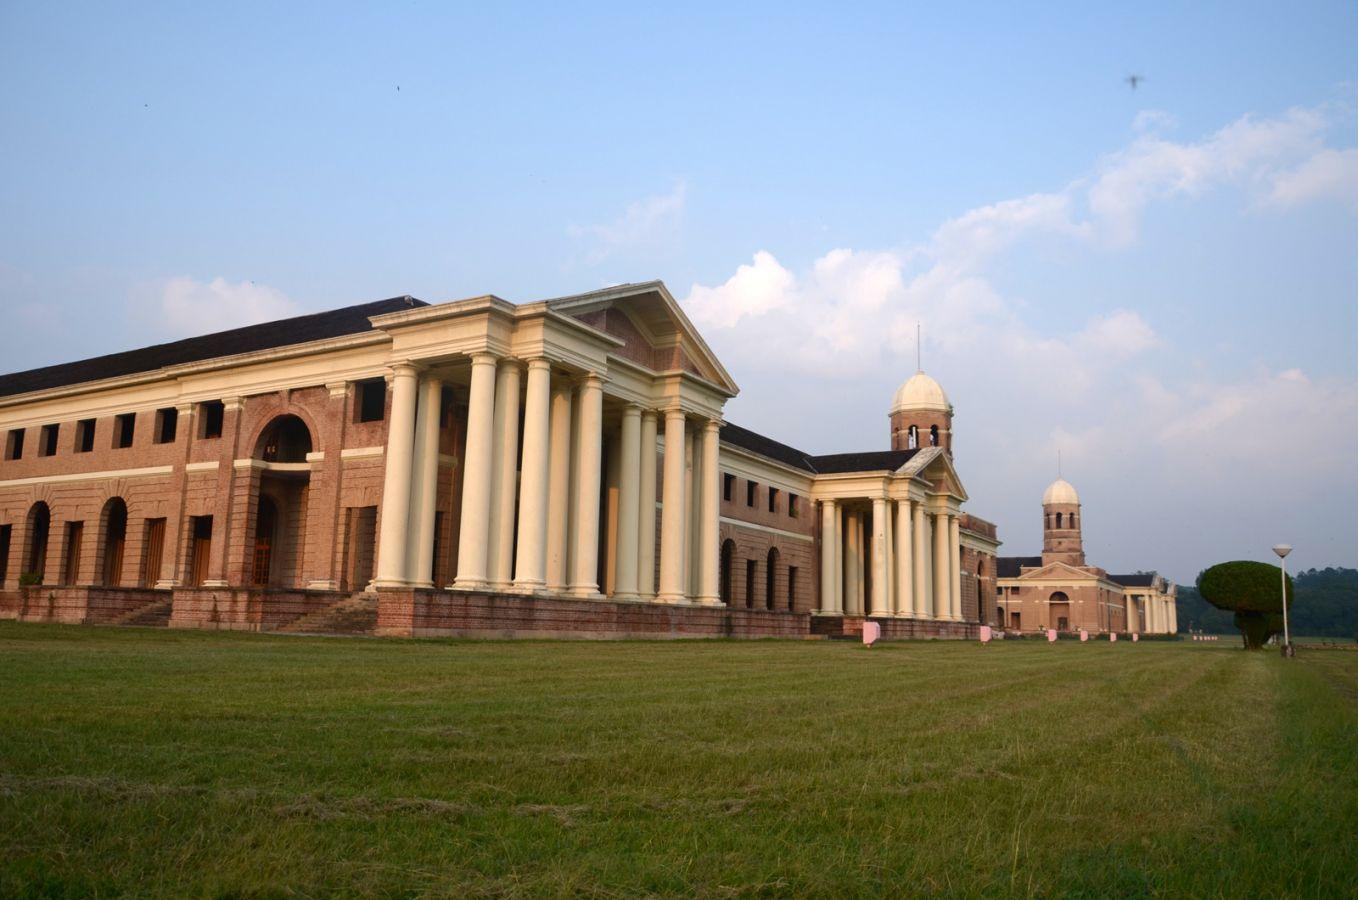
1282 550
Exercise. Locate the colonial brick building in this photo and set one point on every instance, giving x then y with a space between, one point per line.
1057 590
476 467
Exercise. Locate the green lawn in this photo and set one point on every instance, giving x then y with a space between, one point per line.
169 763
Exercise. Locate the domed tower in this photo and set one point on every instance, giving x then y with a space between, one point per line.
921 415
1061 539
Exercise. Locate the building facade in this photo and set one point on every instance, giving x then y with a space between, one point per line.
475 467
1058 591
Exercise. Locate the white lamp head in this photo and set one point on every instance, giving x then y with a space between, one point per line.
1282 550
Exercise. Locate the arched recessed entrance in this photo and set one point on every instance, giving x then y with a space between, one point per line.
39 530
1058 611
728 555
277 545
113 528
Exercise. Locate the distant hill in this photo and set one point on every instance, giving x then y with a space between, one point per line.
1326 605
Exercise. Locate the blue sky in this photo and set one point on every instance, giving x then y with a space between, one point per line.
1161 282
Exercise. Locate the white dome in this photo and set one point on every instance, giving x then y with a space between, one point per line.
921 392
1060 491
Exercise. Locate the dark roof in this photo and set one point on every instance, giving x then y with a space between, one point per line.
1141 579
834 463
830 464
757 443
1012 566
266 336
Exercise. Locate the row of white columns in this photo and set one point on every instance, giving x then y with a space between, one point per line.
1161 616
552 543
909 578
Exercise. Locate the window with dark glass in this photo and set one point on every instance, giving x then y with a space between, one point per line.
47 440
14 444
372 400
124 427
167 423
211 415
84 436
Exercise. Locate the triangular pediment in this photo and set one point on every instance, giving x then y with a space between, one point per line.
653 329
933 465
1060 571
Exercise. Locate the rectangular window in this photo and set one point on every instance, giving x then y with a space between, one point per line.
371 400
791 588
211 414
1015 622
14 444
751 491
47 440
200 548
124 427
750 568
70 568
773 499
728 486
792 510
84 436
167 425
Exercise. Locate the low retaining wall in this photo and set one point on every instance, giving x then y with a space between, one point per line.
246 609
894 629
74 604
434 613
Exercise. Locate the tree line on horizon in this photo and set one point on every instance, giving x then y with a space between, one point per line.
1324 604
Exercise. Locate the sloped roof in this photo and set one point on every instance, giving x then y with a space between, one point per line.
1140 579
266 336
1012 566
826 464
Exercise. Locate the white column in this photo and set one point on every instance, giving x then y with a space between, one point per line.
880 572
955 565
612 498
672 518
504 473
829 537
629 503
853 565
473 540
839 560
400 454
920 560
692 539
905 572
646 508
530 562
585 565
559 488
709 530
424 489
892 607
942 580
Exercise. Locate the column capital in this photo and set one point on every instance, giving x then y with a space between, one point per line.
483 358
591 379
337 388
404 369
712 425
632 409
538 363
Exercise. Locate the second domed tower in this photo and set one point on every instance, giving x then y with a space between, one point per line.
1062 540
921 415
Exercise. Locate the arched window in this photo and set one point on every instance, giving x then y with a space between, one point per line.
285 440
114 521
39 527
728 556
771 569
1058 520
912 438
933 435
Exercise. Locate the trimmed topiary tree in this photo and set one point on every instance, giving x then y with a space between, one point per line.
1250 590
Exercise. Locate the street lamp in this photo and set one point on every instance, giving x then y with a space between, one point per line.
1282 550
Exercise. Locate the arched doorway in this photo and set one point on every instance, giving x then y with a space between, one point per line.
769 580
276 550
113 521
39 530
1058 611
728 556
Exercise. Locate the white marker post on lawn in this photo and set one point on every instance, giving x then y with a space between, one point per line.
1282 550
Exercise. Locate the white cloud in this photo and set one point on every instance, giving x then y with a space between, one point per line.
185 306
1329 174
641 223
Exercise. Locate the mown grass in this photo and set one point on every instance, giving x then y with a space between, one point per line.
170 763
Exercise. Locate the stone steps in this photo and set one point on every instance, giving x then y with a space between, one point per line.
153 615
356 615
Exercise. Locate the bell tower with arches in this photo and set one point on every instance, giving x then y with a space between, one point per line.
1061 525
921 415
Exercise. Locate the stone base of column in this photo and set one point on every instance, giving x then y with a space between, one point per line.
625 598
469 585
214 583
528 588
324 585
709 601
388 583
163 584
587 593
